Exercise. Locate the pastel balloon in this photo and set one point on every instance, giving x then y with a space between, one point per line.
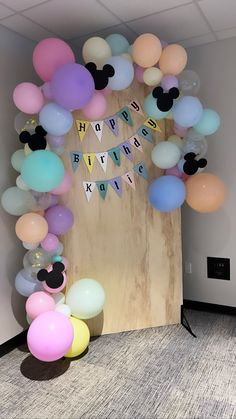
180 131
173 59
151 109
198 147
36 259
16 201
59 298
49 55
47 91
20 184
64 186
28 98
187 111
96 50
189 82
23 122
209 122
86 298
167 193
106 92
72 86
50 243
55 288
205 192
50 336
55 141
38 303
17 159
127 57
138 73
26 284
30 246
176 140
174 171
124 73
168 81
165 154
42 171
44 200
55 119
81 338
31 228
146 50
60 219
152 76
118 43
96 107
64 309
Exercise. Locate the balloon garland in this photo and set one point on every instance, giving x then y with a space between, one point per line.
56 322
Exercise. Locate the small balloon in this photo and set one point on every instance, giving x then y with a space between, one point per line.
55 119
36 259
26 283
209 122
31 228
96 50
60 219
96 107
168 81
50 243
187 111
118 43
17 159
146 50
37 303
23 122
81 338
173 59
165 154
152 76
28 98
64 309
138 73
189 82
64 186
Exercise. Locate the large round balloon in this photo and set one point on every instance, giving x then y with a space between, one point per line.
96 50
36 259
118 43
39 302
167 193
31 228
60 219
165 154
16 201
146 50
205 192
81 338
173 59
42 171
49 55
50 336
72 86
86 298
151 109
124 73
189 82
26 284
187 111
209 122
28 98
55 119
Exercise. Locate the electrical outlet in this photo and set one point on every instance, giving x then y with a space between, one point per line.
218 268
188 267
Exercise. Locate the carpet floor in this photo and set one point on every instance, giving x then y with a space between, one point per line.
154 373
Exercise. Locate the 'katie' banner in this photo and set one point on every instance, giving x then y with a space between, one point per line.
115 183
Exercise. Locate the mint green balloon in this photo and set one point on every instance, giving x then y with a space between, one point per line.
151 109
17 159
42 171
85 298
16 201
209 122
118 43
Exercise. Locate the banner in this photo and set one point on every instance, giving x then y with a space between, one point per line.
82 128
98 129
115 183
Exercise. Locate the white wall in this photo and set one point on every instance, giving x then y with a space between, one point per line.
214 234
15 67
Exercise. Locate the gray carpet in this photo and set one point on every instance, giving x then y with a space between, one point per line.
155 373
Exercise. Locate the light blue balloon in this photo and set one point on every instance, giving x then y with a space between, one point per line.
26 284
55 119
118 43
124 73
42 171
167 193
187 111
209 122
151 109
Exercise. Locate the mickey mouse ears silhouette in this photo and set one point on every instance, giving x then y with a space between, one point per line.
100 76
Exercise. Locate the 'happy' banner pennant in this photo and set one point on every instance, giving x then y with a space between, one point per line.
112 123
82 128
124 115
98 129
135 106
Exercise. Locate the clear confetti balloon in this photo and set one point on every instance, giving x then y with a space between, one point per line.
189 82
23 122
36 259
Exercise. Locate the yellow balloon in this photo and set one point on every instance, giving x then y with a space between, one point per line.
152 76
127 57
81 338
97 50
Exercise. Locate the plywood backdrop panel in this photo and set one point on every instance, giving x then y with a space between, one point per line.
131 249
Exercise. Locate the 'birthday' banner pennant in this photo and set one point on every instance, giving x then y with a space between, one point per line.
145 133
136 142
82 128
114 154
89 160
151 123
98 129
126 150
102 159
75 158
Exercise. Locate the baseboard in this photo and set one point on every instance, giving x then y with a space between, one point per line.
13 343
216 308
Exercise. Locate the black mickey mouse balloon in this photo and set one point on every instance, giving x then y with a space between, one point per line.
36 141
165 100
53 278
100 77
192 165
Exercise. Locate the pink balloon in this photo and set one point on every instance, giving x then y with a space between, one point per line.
96 107
28 98
65 262
64 186
180 131
37 303
50 336
174 171
50 243
106 92
50 54
138 73
46 89
58 289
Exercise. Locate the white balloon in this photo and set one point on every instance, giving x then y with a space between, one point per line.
165 155
64 309
21 184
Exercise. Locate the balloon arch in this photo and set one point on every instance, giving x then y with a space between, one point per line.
56 323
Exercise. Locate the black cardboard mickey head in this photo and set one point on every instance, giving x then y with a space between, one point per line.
192 165
53 279
165 100
100 77
36 141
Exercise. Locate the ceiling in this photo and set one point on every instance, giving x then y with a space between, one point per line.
189 22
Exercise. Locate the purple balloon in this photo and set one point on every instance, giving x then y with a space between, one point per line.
46 89
55 141
72 86
60 219
169 81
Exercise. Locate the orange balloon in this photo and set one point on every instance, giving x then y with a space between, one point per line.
146 50
173 59
31 228
205 192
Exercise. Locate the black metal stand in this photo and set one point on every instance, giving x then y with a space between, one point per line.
185 323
